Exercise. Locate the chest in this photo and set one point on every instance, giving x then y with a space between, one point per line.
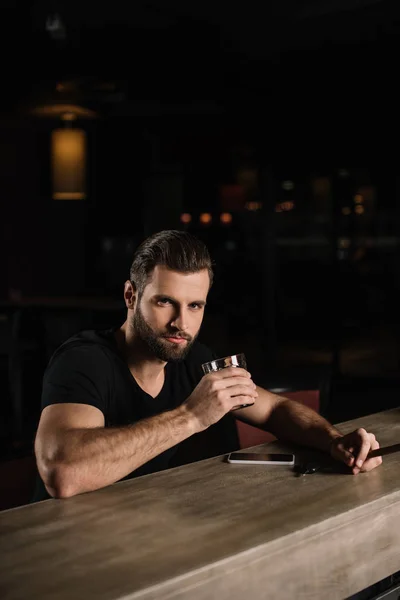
151 388
128 402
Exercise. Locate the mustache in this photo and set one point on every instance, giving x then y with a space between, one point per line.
176 334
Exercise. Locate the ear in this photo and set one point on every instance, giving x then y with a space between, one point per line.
129 295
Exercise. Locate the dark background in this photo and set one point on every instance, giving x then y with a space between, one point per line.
284 114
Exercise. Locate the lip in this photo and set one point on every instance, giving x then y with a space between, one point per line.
176 340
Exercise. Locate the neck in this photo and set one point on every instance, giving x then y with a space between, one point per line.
144 366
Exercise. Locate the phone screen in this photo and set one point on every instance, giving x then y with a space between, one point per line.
265 459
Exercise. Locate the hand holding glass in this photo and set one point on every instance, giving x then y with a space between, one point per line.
236 360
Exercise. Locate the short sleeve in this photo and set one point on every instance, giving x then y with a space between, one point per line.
81 375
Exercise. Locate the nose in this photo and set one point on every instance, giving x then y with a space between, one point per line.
180 321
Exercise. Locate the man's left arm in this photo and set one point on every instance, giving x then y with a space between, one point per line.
292 421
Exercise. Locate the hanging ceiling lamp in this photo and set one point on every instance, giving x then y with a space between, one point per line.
68 150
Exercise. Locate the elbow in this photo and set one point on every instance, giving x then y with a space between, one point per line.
58 480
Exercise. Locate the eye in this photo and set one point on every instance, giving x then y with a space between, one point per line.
195 306
164 301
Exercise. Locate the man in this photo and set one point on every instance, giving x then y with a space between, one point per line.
117 403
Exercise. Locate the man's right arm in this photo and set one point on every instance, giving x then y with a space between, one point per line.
75 453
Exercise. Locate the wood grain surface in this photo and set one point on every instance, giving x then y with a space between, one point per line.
214 530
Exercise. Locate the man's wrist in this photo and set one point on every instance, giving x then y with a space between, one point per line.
333 437
188 419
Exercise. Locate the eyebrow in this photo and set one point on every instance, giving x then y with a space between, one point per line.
166 297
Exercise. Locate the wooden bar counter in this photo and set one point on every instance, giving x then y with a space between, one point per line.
213 530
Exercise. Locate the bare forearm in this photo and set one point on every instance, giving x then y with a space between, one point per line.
297 423
89 459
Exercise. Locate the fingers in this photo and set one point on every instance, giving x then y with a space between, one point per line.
340 452
230 392
242 402
348 457
371 463
353 449
230 372
242 390
230 381
365 442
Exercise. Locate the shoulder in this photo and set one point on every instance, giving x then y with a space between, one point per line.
80 372
85 351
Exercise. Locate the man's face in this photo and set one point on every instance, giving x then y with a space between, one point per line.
168 316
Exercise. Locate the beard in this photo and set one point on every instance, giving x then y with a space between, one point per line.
156 343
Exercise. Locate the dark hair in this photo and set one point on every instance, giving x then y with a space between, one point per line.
177 250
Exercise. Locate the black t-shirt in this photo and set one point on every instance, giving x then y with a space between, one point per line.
88 369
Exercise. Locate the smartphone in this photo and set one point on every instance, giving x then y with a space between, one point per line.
249 458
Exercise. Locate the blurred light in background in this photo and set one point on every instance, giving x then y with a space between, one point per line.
226 218
205 218
284 206
358 209
60 111
55 27
69 116
253 205
358 199
68 146
346 211
186 218
68 162
287 185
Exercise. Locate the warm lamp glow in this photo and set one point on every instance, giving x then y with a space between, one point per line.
358 209
284 206
226 218
69 116
346 210
68 161
205 218
186 218
253 205
56 111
